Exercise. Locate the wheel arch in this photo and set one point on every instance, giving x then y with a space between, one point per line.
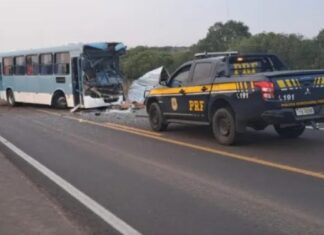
7 89
218 103
224 102
150 101
55 93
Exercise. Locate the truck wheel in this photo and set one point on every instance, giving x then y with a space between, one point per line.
157 120
290 132
224 126
59 101
11 98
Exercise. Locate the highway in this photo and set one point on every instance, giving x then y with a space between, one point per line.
180 181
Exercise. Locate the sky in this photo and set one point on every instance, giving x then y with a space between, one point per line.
26 24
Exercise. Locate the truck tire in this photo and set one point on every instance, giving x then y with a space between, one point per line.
290 132
59 101
11 98
223 125
157 121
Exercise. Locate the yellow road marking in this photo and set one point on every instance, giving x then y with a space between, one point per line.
106 124
132 128
223 153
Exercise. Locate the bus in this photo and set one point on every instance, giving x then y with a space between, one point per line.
72 76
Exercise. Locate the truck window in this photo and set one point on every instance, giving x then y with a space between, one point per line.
202 73
181 77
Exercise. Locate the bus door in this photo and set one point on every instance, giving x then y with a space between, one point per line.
76 75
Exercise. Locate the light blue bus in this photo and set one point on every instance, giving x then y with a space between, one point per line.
77 75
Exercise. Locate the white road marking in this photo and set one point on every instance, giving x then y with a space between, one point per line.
311 128
95 207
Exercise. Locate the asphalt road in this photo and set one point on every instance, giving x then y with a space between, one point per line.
180 181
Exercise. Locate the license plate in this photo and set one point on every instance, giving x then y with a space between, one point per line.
305 111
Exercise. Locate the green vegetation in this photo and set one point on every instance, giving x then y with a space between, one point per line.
295 50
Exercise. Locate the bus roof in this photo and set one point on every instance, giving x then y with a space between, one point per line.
74 47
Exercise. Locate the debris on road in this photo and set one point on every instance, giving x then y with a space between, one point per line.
144 83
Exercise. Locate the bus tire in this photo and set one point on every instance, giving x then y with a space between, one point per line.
290 132
157 121
11 98
223 125
59 100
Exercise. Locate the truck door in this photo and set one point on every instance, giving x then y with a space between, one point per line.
174 98
198 91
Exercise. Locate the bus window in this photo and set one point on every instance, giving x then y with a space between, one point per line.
8 66
20 65
32 65
46 64
62 63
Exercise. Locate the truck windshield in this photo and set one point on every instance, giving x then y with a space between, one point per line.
253 64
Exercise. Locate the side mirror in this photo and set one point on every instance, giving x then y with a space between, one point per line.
163 83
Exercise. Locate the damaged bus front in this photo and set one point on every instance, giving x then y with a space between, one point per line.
101 78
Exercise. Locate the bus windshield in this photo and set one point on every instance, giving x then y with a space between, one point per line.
100 65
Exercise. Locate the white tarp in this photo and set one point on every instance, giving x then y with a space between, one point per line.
146 82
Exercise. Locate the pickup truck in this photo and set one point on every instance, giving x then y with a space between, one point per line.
232 91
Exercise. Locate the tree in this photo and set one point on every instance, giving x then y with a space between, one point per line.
221 36
140 60
296 52
319 40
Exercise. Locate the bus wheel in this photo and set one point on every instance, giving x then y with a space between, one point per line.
223 125
11 98
59 101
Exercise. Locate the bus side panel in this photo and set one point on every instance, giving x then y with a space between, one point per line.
44 87
22 89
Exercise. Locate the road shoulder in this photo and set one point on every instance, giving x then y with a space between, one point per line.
25 209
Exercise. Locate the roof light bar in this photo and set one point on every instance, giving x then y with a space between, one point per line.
215 54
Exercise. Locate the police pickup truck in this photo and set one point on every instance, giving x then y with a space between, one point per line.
232 91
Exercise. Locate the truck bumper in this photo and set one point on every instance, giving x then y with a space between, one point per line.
287 116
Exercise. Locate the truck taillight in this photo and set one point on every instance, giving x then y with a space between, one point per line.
267 89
